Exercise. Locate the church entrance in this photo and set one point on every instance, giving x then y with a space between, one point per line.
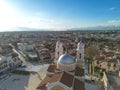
57 88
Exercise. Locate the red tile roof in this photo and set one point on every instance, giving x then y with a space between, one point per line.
78 85
62 77
67 79
14 55
51 68
98 57
113 61
79 71
108 54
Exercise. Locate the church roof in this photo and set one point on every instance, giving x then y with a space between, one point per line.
67 79
51 68
62 77
66 59
79 71
78 85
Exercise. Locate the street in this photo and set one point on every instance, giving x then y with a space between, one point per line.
25 63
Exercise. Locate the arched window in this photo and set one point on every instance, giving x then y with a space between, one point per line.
80 55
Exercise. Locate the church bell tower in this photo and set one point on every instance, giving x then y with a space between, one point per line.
58 50
80 54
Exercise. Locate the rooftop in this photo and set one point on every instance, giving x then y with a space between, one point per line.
79 71
62 77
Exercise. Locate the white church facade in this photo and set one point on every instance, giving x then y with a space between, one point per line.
67 73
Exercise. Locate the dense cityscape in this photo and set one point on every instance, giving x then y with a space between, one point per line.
59 44
54 59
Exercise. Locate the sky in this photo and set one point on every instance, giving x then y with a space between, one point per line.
58 14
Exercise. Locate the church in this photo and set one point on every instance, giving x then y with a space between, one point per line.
67 73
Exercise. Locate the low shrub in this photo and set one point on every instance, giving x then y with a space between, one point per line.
20 72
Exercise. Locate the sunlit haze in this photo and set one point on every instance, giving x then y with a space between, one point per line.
8 17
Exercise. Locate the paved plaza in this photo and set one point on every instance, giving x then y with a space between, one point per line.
21 82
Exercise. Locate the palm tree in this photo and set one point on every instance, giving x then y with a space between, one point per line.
91 52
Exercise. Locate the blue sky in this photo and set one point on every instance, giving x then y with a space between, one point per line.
64 14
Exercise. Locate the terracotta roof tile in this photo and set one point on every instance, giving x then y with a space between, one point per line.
78 85
14 54
98 57
79 71
56 77
51 68
62 77
108 54
113 61
67 79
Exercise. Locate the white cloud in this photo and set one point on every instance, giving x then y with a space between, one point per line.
113 22
108 23
41 23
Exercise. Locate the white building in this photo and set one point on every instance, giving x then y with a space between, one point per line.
3 64
66 74
9 60
25 46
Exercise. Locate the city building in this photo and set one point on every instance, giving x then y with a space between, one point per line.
67 73
3 65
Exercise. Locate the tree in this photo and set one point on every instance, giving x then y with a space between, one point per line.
91 52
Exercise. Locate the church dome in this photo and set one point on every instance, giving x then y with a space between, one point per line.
66 59
66 63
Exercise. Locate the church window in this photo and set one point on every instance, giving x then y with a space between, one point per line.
80 55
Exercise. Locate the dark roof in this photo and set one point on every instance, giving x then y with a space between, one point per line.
78 85
62 77
79 71
98 57
51 68
14 54
67 79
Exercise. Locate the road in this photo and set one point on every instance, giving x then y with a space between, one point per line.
26 63
25 81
